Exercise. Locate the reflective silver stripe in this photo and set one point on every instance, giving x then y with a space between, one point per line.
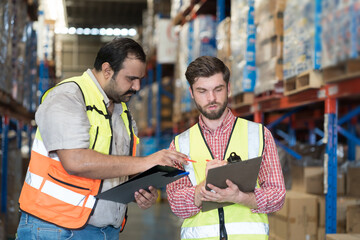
253 140
184 147
247 228
63 194
39 147
33 180
90 202
207 231
184 142
211 231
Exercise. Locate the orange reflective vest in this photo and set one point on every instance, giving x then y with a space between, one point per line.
49 192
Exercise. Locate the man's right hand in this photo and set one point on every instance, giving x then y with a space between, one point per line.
167 157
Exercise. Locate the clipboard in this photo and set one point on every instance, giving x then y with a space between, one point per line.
157 176
243 173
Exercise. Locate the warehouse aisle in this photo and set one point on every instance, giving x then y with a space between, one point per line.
155 223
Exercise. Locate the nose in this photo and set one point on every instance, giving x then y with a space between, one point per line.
211 96
136 84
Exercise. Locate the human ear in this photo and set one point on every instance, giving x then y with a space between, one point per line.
107 70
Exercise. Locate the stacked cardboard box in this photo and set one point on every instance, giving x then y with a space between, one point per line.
342 236
223 42
353 218
298 218
242 41
269 43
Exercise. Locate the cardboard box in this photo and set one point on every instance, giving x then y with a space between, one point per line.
343 236
321 233
352 182
298 219
342 204
353 219
311 180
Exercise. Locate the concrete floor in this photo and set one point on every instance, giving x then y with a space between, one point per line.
155 223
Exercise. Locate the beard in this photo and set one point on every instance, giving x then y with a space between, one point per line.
212 114
115 96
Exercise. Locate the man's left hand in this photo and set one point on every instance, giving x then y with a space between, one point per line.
145 199
230 194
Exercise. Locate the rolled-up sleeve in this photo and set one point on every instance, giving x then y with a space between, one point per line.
62 119
270 197
181 194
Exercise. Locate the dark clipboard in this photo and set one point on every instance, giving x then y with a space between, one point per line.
243 173
157 176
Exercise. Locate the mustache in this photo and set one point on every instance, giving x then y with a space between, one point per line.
131 91
212 103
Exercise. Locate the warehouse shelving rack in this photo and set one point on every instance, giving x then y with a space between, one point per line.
330 95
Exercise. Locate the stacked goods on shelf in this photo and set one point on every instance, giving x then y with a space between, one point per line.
204 36
138 106
223 42
307 177
297 220
340 39
242 43
182 96
9 219
12 47
196 38
340 236
30 100
269 44
144 107
302 46
6 11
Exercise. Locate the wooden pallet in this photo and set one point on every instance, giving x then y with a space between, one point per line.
342 71
242 99
307 80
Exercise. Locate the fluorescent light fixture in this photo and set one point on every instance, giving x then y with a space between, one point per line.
95 31
109 31
117 31
132 32
124 32
102 31
72 30
87 31
79 31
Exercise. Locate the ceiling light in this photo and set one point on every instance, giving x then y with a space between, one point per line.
124 32
132 32
72 30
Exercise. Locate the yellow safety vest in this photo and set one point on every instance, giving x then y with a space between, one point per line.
235 221
49 192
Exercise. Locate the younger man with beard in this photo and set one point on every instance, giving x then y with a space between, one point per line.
218 134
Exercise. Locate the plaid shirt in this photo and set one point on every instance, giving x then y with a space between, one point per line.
269 197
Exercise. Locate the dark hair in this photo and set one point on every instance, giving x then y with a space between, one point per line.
116 51
206 66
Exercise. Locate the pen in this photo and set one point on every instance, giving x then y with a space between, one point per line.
189 160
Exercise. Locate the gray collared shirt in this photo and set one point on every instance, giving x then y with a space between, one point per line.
63 124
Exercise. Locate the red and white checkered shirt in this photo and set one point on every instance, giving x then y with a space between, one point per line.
270 196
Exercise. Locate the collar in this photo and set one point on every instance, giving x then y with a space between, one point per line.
227 123
106 99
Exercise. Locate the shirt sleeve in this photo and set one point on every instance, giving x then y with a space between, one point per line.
270 196
181 194
62 119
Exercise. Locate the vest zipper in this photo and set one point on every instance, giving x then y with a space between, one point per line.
68 184
223 234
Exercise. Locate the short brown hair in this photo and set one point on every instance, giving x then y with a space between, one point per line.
206 66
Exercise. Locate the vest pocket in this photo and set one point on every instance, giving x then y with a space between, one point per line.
65 194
